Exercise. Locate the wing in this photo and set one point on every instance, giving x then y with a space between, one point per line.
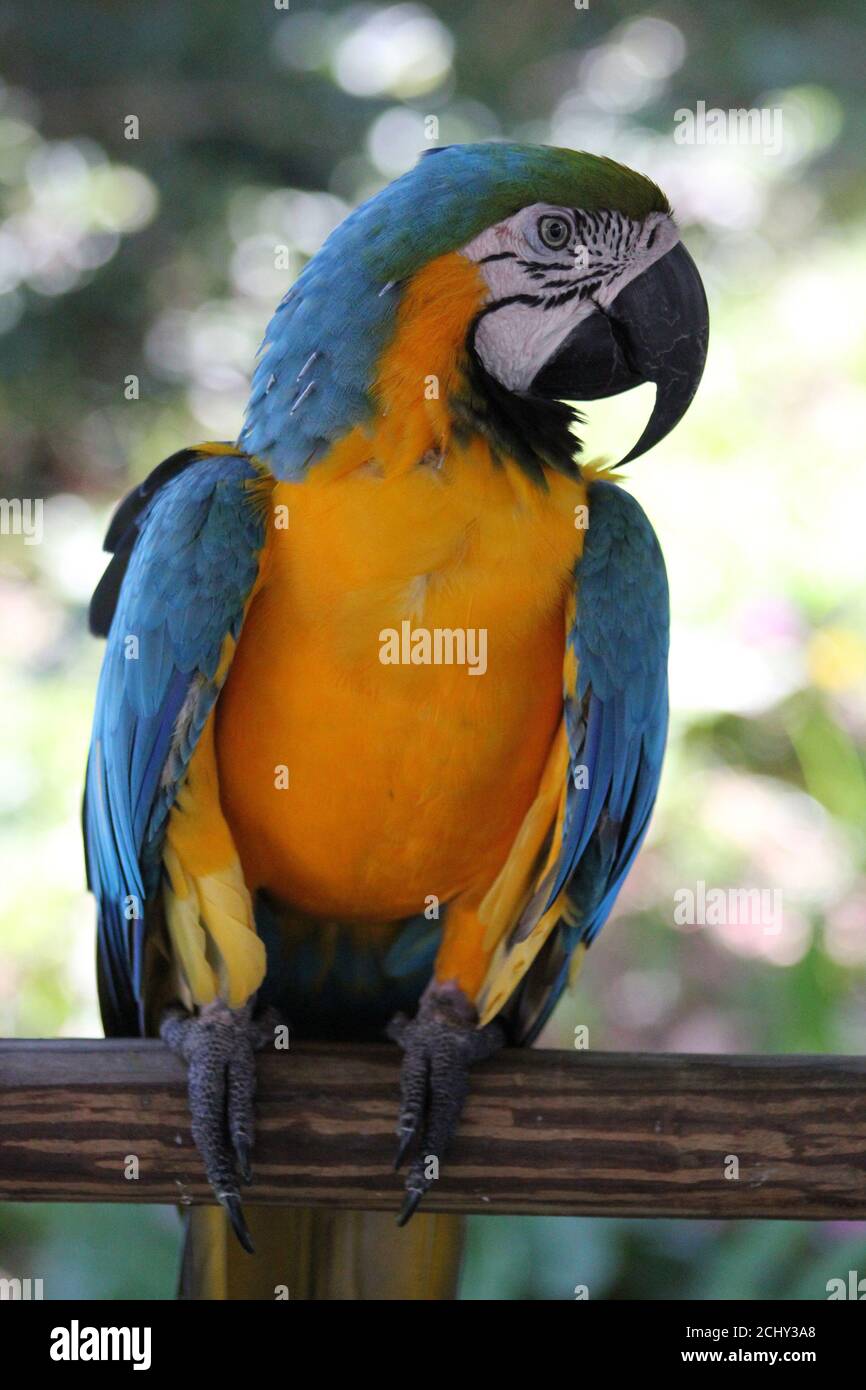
615 717
172 603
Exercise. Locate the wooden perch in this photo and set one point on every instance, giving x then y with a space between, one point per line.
555 1133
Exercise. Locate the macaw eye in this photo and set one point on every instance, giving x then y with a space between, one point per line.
554 232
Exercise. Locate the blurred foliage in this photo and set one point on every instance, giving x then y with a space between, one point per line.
153 257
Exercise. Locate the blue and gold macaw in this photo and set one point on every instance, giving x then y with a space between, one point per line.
383 705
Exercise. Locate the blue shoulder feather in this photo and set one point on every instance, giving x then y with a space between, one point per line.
616 722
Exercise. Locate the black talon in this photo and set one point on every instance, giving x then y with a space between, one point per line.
411 1203
233 1206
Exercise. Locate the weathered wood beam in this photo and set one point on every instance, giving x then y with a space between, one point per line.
556 1133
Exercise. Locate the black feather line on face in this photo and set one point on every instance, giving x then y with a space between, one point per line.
583 291
536 433
533 300
545 266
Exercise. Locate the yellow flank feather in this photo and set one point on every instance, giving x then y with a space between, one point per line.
575 965
188 940
511 964
505 900
512 960
522 881
208 905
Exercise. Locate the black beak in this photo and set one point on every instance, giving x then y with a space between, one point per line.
656 329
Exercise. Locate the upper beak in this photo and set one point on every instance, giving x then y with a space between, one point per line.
656 329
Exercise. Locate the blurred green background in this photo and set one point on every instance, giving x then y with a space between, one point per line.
153 257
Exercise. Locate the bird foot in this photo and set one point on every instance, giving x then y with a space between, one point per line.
218 1045
439 1044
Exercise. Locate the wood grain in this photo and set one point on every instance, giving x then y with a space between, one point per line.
555 1133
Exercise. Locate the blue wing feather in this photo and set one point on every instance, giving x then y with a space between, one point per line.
616 722
188 569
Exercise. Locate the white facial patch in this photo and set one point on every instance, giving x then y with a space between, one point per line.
547 269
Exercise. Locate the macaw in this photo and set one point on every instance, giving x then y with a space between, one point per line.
383 704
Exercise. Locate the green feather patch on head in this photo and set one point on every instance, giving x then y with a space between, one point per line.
447 200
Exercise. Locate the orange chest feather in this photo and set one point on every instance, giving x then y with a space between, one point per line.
357 786
358 782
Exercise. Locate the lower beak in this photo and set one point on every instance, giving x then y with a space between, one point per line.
656 329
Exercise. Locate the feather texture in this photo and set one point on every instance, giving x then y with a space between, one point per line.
192 562
615 716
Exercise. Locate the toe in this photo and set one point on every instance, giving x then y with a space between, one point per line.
240 1106
413 1098
218 1046
439 1047
207 1104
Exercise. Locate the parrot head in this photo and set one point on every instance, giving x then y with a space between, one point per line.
588 292
587 304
